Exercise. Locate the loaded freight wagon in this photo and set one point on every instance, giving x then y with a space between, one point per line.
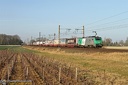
71 42
91 41
62 42
56 42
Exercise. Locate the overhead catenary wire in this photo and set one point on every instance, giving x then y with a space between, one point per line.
64 28
111 27
69 29
107 18
102 27
68 32
108 23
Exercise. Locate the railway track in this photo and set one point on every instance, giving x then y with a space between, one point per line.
77 50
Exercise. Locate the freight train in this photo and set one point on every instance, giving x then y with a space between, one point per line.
90 41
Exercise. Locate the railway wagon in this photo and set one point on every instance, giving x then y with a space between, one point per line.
63 42
91 41
56 42
71 42
48 43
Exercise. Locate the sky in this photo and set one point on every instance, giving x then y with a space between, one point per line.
26 18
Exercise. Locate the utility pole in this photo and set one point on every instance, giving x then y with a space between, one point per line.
39 37
31 41
54 36
59 35
83 31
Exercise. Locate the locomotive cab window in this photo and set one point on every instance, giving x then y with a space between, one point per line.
98 38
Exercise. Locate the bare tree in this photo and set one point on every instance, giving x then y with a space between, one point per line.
126 42
10 40
107 42
121 43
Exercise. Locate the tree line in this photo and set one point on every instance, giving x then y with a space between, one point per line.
10 40
109 42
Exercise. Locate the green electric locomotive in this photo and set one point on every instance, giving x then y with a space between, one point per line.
91 41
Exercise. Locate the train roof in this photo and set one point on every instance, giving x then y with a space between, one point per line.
83 37
92 36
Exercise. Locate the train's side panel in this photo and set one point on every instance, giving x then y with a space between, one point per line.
81 42
89 42
93 42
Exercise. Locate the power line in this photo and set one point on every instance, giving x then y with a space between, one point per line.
64 28
108 18
108 23
111 27
71 31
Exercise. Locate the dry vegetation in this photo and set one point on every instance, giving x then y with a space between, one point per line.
104 66
117 47
65 66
